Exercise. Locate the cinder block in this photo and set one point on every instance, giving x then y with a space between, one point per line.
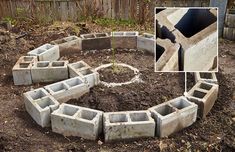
128 125
46 71
204 95
196 31
84 71
95 41
46 52
77 66
124 40
71 120
68 44
209 77
146 42
40 104
72 88
173 116
166 55
21 70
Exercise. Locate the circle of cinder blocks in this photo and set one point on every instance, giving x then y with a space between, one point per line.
46 105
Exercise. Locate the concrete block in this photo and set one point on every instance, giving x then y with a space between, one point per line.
72 88
195 30
146 42
46 71
209 77
204 95
46 52
166 55
128 125
173 116
21 70
77 66
71 120
39 104
68 44
124 40
95 41
84 71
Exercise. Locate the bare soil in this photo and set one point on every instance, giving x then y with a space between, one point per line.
18 131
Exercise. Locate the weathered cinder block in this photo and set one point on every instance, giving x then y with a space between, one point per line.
128 125
84 71
124 40
196 31
204 95
68 44
21 70
46 71
209 77
46 52
95 41
40 104
146 42
77 66
71 120
173 116
72 88
166 55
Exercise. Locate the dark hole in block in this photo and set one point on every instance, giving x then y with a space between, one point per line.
117 34
89 115
159 51
37 94
180 104
73 82
89 36
42 64
194 21
68 110
45 102
206 75
24 65
130 33
78 65
100 35
164 110
56 64
28 58
198 94
70 39
139 117
205 86
114 118
60 41
148 36
58 87
86 72
39 51
47 47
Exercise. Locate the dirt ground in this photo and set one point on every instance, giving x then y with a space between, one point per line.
18 131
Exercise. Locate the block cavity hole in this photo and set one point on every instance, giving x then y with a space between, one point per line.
194 21
28 58
58 87
206 75
159 51
42 64
114 118
45 102
68 110
73 82
164 110
139 117
205 86
89 36
89 115
24 65
86 72
180 104
100 35
78 65
198 94
57 64
37 94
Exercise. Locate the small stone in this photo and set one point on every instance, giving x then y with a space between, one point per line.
100 142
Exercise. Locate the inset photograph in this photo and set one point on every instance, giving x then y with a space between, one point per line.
187 39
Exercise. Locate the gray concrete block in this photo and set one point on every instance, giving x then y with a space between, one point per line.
46 71
124 40
128 125
71 120
72 88
77 66
39 104
46 52
95 41
209 77
21 70
166 55
146 42
84 71
173 116
204 95
195 30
